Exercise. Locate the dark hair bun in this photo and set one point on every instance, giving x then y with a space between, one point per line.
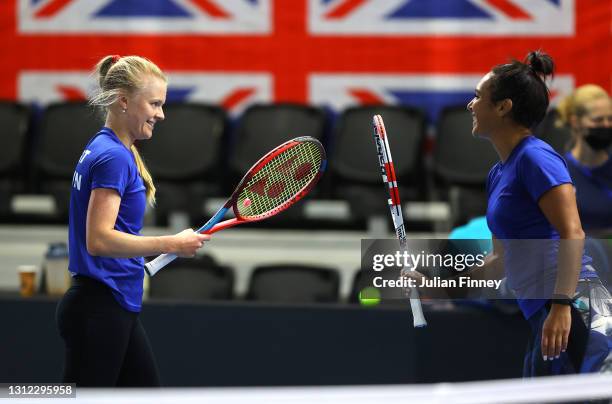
525 84
540 63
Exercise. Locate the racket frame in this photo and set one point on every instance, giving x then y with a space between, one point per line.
387 169
213 225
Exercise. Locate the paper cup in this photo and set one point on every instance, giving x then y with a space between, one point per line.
27 279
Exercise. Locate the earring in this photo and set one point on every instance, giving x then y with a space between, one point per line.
123 110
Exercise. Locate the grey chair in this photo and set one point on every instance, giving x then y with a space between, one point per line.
184 158
14 121
260 129
294 283
461 165
353 164
263 127
65 129
558 136
364 280
191 279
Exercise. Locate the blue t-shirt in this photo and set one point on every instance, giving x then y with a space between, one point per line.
107 163
514 217
593 193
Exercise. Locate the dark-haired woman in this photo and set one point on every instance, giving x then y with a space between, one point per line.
537 235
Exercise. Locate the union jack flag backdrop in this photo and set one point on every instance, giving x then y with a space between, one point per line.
333 53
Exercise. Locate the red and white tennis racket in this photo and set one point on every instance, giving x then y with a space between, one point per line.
388 175
278 180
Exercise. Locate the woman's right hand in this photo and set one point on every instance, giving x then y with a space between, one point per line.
187 242
416 278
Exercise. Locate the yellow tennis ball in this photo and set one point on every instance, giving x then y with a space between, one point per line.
369 296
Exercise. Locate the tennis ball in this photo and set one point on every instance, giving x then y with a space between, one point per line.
369 296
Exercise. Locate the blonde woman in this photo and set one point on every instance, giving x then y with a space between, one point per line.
588 113
105 342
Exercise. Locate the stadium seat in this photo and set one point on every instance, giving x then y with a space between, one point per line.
558 136
294 283
262 128
183 158
353 165
14 119
461 165
199 278
65 129
363 281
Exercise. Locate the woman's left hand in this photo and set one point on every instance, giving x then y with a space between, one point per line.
555 331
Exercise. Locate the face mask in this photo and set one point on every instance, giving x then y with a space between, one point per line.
599 138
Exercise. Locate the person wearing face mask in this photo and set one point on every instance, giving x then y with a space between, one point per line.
98 317
588 114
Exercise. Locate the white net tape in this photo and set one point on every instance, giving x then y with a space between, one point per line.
556 389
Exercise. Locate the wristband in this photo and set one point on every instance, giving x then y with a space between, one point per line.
561 299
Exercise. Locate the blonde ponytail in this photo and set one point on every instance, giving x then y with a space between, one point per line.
118 75
146 176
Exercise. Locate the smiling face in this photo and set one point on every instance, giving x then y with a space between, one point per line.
143 108
485 114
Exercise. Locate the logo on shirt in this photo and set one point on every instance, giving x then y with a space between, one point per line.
76 177
85 153
76 180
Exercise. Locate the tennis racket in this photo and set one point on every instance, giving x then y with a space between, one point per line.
278 180
387 170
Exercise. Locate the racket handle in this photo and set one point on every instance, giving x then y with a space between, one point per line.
158 263
417 310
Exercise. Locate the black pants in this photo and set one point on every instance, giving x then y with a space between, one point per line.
106 345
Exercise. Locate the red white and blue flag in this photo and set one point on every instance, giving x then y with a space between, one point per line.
443 17
231 91
334 53
432 91
145 16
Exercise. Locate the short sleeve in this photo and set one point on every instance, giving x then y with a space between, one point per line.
541 170
111 170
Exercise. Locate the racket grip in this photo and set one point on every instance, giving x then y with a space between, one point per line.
417 310
158 263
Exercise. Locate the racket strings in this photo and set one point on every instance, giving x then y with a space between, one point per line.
280 180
